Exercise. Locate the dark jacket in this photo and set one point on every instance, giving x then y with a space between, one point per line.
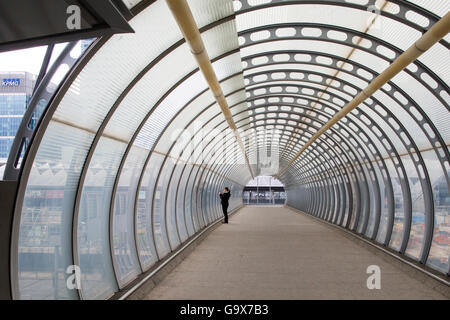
224 198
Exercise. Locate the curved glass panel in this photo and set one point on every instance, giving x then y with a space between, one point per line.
129 159
93 236
124 242
45 237
144 212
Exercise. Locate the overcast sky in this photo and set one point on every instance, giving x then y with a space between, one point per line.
30 59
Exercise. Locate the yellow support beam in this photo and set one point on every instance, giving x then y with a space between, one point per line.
439 30
183 16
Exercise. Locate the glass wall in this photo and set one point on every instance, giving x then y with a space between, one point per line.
264 190
127 162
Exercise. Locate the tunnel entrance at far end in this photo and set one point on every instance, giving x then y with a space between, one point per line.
264 190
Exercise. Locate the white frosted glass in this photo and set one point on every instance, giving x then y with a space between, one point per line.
432 107
139 102
116 63
394 32
196 111
336 49
220 39
300 70
146 93
393 136
407 121
161 116
175 101
306 13
438 7
208 11
436 58
178 135
232 84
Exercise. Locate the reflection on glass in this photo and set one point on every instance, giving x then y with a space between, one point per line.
171 203
144 230
127 264
94 252
438 257
45 232
399 213
416 235
166 236
182 205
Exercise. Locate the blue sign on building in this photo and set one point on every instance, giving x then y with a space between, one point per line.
16 89
10 82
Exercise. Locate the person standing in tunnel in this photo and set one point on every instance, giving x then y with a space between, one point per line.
224 202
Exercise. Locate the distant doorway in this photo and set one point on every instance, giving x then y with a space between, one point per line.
264 190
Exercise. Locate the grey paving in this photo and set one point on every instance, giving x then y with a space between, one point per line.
276 253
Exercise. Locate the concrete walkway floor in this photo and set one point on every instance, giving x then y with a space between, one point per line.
276 253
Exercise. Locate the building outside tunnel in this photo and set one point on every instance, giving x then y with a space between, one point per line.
134 135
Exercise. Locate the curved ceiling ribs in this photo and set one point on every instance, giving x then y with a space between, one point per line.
290 31
144 175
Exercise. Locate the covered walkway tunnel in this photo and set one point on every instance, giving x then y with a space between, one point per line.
345 102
